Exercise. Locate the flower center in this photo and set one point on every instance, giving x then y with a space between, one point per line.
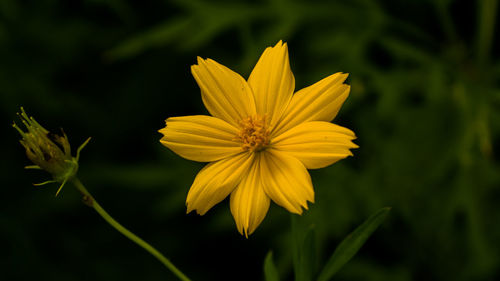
253 134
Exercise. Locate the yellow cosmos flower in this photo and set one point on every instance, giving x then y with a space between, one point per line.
261 137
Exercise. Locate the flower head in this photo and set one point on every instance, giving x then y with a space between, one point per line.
48 151
261 137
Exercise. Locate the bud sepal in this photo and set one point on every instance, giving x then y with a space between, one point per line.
48 151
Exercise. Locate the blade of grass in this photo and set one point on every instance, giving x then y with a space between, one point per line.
270 271
303 250
308 254
351 244
295 247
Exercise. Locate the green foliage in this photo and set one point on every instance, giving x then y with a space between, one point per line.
270 271
351 244
424 104
303 251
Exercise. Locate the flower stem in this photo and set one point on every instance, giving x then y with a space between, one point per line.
90 201
486 29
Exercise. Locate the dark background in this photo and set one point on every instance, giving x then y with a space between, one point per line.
424 104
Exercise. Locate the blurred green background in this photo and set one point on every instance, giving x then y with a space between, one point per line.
424 104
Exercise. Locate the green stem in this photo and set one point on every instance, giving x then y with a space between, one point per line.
89 200
446 21
295 247
486 28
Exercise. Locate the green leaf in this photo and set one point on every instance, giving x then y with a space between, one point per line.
352 243
295 247
157 36
270 272
307 259
303 250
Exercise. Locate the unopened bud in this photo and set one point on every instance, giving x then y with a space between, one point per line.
48 151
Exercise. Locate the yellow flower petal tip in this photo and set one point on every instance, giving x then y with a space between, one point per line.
261 138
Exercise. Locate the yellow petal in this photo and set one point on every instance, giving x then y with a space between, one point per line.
249 203
225 93
318 102
316 144
216 181
272 82
200 138
286 180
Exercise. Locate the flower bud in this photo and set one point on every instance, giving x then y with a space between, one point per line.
48 151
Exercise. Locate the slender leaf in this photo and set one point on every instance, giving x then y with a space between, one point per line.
303 250
351 244
157 36
270 271
295 247
307 259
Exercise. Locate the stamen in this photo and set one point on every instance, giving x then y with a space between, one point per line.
253 134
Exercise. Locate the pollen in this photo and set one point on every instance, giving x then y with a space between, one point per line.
253 134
